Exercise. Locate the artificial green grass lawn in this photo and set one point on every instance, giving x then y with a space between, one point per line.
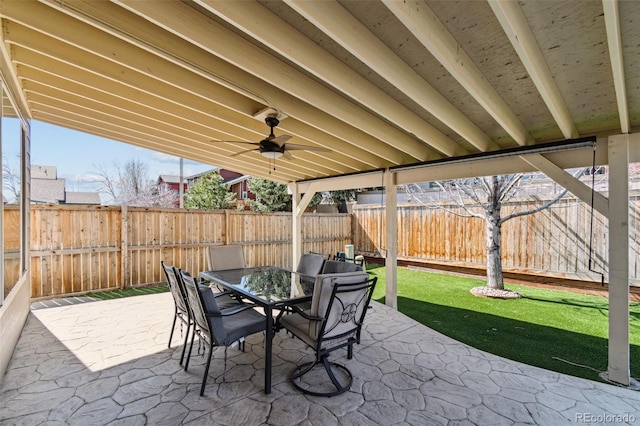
545 328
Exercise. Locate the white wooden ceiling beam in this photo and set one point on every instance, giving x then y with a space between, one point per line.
335 21
614 39
58 87
142 126
296 47
88 123
11 77
501 165
188 122
515 25
337 183
85 85
192 76
434 36
184 21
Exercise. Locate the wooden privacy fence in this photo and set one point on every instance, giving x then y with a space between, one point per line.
553 242
77 249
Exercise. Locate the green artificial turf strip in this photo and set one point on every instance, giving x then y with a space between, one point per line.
139 291
542 329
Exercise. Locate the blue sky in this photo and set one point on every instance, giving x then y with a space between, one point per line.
76 156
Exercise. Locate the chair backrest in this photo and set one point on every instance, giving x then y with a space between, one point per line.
203 302
222 258
177 289
342 300
310 265
337 267
324 255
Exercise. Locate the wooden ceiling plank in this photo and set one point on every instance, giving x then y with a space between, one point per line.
515 25
276 76
363 146
335 21
296 47
614 39
420 20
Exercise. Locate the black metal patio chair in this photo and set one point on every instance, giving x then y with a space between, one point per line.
218 327
334 321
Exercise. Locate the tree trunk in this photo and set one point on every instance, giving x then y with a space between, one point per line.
494 247
494 250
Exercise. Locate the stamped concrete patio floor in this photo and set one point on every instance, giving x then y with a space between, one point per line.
107 362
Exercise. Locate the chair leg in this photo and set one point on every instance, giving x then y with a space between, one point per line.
186 340
173 326
350 351
339 388
305 368
193 337
206 371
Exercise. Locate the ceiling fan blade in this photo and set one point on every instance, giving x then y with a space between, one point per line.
287 156
237 142
280 140
291 147
243 152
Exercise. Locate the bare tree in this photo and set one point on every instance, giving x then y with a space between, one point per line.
10 182
487 196
130 184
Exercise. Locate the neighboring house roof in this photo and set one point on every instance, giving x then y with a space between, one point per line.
238 180
197 175
76 197
170 179
44 172
47 190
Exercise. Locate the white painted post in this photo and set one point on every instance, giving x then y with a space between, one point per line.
619 364
296 225
391 218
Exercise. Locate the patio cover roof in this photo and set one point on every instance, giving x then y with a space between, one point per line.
381 84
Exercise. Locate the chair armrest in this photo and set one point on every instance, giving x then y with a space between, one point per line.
299 311
231 311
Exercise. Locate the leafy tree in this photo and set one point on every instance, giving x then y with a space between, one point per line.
342 197
270 196
209 192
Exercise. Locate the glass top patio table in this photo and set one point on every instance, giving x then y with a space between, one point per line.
264 284
268 287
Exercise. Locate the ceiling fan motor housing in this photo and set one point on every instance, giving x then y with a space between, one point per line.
271 149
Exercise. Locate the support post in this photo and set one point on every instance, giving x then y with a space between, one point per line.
296 225
391 234
124 245
619 351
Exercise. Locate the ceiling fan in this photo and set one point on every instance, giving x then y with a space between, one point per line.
274 146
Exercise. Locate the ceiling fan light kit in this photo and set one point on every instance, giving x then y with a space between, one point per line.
273 146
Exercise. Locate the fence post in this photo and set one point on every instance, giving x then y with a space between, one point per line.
227 219
124 245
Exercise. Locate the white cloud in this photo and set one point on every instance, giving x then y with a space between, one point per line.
164 158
